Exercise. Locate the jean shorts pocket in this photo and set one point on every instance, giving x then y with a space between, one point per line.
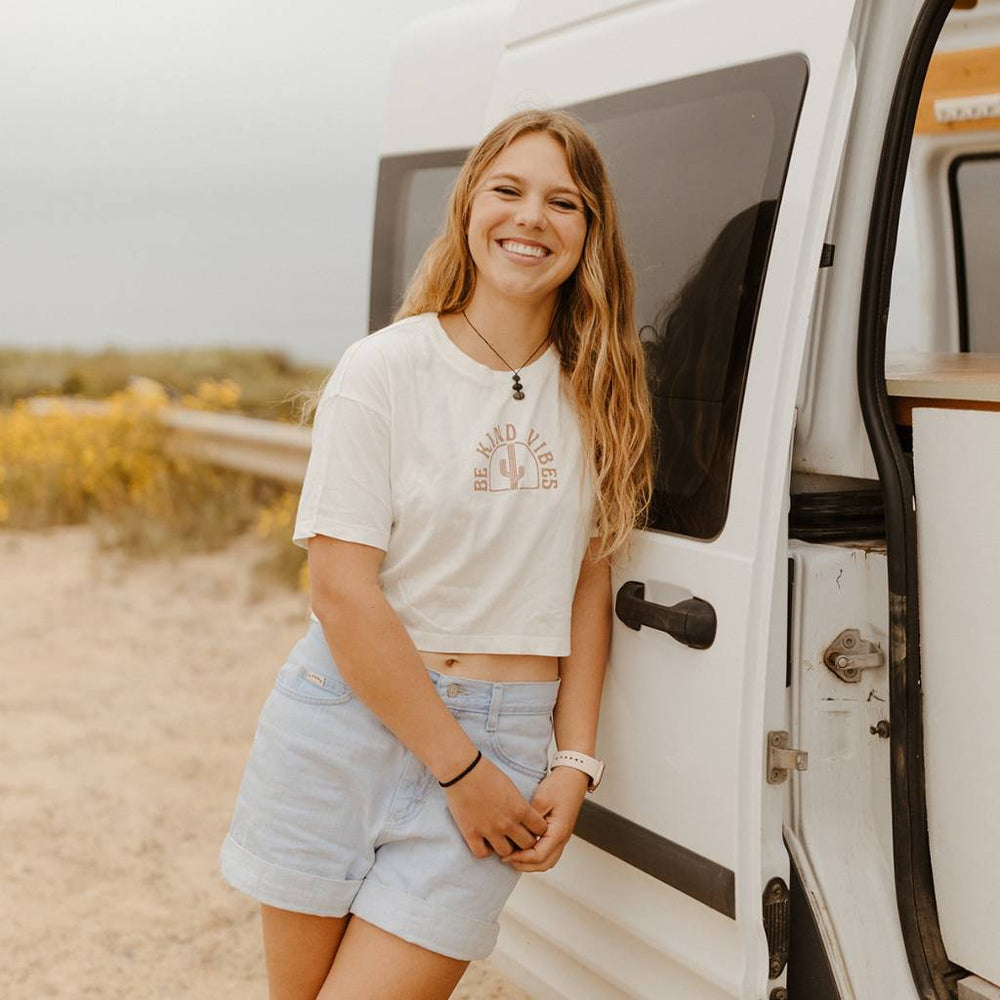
314 685
522 742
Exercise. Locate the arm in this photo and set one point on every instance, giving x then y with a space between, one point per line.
560 795
377 657
582 672
380 663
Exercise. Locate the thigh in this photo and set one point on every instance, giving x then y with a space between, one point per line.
373 964
299 949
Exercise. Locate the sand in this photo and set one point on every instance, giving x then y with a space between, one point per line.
128 699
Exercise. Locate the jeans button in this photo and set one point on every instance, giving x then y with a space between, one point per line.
452 690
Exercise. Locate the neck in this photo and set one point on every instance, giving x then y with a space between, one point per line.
515 328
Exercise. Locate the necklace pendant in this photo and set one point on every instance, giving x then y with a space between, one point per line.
518 394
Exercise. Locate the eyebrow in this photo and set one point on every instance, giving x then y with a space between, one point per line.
520 180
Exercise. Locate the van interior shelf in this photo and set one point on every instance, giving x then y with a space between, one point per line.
964 381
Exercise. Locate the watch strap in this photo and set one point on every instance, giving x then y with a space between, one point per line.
591 766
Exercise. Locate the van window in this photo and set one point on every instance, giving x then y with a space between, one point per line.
409 210
697 166
974 184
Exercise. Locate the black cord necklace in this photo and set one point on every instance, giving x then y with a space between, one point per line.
518 388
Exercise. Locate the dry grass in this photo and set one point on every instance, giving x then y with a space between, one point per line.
111 470
267 380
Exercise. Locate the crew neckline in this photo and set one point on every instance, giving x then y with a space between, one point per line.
477 369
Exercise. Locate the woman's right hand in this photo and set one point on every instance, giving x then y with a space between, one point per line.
488 808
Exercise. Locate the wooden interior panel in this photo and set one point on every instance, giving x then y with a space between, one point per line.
967 73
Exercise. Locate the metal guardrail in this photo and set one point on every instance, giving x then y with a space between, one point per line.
265 448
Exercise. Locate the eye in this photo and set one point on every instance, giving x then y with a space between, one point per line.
505 190
566 204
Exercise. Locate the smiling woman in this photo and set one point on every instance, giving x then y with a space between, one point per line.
460 530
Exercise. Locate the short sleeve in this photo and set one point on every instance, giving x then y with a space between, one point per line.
346 491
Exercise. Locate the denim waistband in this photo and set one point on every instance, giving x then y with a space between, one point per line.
509 697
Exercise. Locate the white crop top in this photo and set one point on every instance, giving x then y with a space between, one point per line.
481 502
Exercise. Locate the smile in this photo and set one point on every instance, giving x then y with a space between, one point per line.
517 249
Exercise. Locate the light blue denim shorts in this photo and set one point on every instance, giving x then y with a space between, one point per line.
335 815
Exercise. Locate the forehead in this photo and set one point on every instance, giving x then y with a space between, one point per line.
536 156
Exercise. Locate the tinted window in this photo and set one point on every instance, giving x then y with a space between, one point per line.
412 198
697 166
975 202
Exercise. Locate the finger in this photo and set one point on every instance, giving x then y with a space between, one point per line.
501 845
542 863
520 866
531 855
520 838
520 858
479 848
535 821
554 837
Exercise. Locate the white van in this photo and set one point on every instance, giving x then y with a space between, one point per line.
803 787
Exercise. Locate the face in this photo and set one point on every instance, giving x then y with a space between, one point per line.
526 222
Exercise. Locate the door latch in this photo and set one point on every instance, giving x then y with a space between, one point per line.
781 758
848 655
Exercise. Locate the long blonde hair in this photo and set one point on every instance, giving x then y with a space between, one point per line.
593 325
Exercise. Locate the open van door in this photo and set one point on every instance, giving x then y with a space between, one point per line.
723 128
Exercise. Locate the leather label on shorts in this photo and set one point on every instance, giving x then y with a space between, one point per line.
316 679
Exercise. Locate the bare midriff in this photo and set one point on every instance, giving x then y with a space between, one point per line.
493 666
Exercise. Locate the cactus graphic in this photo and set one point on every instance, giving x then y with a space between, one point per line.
510 468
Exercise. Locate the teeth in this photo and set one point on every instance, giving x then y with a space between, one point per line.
523 248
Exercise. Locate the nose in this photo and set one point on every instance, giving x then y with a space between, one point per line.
531 214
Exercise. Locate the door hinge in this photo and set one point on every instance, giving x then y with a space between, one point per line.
777 925
849 655
781 758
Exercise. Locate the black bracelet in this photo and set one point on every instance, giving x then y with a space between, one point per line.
445 784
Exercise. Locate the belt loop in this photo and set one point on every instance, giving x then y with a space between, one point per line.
494 714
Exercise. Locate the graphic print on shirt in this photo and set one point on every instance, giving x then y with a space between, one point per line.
506 462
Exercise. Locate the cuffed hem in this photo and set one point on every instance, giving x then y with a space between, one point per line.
419 922
284 887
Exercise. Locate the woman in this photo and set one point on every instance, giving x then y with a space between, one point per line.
460 516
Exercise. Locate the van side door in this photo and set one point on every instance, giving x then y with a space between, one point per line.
723 127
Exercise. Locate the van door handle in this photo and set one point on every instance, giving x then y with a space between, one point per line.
691 622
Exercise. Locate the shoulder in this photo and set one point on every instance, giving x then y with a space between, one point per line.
364 370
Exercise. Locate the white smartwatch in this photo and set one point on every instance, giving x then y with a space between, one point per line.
589 765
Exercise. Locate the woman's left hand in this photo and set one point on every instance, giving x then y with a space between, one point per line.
558 798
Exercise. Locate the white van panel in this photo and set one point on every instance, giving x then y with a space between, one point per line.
956 456
911 299
830 437
841 824
649 43
463 44
533 18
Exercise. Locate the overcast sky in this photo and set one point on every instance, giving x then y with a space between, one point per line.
191 172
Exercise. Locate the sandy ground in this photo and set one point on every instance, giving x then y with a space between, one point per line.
128 700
